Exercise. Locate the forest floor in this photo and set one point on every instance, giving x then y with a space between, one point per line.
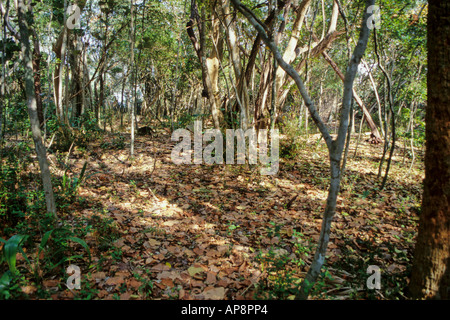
157 230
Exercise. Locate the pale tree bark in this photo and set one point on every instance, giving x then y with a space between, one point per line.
36 59
3 77
377 96
289 53
24 11
335 147
259 120
392 114
207 73
131 66
59 48
430 278
375 134
199 47
262 97
213 60
317 47
242 84
76 61
37 77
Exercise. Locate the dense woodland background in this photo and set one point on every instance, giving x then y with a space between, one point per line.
88 106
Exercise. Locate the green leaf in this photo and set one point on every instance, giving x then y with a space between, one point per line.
44 241
5 281
42 245
10 250
83 244
24 255
80 178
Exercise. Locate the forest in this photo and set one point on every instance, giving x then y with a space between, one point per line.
224 150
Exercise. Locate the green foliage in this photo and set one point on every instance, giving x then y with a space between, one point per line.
106 231
117 143
281 268
10 249
69 186
290 145
12 193
10 286
393 283
186 120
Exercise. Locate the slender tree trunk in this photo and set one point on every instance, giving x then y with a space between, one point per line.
375 135
199 47
37 77
242 89
391 108
430 277
3 85
131 66
377 96
289 53
335 147
24 10
349 137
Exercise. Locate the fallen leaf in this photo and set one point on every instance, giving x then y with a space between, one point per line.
161 267
29 289
169 275
214 293
51 283
194 270
210 277
115 280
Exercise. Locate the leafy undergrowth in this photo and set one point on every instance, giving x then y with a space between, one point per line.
156 230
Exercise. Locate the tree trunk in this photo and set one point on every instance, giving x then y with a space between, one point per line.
131 66
60 51
3 78
242 89
32 106
335 147
430 277
199 47
289 53
375 134
37 78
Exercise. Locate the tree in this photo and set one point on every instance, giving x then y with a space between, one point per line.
199 47
24 12
36 61
431 268
335 146
132 93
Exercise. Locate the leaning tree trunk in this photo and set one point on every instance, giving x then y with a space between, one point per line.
22 11
430 277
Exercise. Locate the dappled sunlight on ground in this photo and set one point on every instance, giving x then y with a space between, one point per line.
196 231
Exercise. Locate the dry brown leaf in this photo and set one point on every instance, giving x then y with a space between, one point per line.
133 283
214 293
51 283
161 267
29 289
167 282
169 275
115 280
210 277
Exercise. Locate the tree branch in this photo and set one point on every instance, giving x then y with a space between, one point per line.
288 68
